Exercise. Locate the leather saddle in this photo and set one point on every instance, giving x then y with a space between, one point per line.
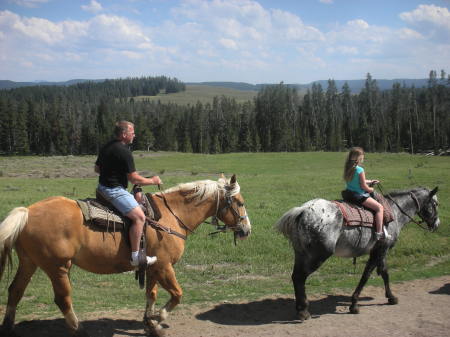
101 215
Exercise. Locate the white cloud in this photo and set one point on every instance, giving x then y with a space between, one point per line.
292 27
345 50
132 55
93 7
116 31
328 2
410 34
358 24
438 16
35 28
228 43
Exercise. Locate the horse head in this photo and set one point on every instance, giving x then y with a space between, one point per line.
231 209
428 210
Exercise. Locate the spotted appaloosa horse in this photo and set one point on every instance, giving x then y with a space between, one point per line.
51 234
316 230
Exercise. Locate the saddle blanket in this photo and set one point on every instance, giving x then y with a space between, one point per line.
359 216
101 216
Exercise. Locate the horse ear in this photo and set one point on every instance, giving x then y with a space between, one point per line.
233 179
434 191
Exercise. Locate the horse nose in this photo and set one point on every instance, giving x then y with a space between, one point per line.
242 234
436 224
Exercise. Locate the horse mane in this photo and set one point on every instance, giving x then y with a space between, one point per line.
204 189
397 193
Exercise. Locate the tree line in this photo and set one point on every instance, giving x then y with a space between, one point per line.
78 119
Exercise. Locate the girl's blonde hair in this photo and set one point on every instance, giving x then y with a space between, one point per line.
353 159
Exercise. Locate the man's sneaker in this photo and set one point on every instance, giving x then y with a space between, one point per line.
150 260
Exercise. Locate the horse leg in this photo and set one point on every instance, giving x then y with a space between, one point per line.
23 276
304 266
374 259
301 302
151 323
383 271
168 281
59 277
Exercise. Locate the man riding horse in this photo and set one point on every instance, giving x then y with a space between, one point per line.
115 164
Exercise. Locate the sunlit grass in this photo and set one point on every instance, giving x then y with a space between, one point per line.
212 268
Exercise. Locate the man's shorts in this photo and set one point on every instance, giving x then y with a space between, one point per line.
119 197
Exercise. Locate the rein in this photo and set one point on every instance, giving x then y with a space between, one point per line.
180 222
401 209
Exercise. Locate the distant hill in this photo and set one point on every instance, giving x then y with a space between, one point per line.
355 85
6 84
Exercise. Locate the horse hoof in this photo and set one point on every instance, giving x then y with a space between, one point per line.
393 300
303 315
354 309
81 333
152 331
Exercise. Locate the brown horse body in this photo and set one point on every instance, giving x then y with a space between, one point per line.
51 235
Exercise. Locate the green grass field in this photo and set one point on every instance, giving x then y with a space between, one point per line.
202 93
212 268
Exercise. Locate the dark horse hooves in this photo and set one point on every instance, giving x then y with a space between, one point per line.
303 315
354 309
393 300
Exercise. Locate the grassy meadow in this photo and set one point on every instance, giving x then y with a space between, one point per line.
212 268
201 93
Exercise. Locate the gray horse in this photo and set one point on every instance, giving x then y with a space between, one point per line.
316 231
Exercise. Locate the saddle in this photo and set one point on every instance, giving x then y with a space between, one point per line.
100 215
360 216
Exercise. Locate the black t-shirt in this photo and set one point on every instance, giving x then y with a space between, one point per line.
115 162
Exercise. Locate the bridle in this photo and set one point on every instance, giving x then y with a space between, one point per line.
219 211
419 209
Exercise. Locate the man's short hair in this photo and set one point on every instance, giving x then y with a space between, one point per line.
121 127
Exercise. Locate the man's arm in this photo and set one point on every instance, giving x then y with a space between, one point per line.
136 179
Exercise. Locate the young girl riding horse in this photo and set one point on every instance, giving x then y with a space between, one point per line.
358 189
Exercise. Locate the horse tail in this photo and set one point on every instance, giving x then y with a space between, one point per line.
10 229
288 223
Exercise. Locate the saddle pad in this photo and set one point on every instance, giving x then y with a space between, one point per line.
100 216
359 216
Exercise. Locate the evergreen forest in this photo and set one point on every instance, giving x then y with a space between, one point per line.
78 119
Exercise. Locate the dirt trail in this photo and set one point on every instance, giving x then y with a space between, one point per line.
423 310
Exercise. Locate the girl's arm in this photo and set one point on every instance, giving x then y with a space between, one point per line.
363 183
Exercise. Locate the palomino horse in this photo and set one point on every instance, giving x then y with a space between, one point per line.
316 231
50 234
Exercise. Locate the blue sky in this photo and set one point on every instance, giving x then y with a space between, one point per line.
264 41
